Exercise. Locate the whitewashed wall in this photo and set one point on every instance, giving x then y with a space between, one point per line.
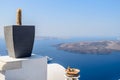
55 72
32 69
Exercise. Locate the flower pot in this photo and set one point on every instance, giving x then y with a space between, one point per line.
19 40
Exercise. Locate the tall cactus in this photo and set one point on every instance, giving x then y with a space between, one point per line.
19 17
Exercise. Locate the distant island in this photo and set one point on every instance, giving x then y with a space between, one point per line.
96 47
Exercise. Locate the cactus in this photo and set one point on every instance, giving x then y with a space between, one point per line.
19 17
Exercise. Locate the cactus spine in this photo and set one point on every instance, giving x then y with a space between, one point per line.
19 17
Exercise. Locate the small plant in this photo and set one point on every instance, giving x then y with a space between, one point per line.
19 17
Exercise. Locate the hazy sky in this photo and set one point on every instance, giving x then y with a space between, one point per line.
65 18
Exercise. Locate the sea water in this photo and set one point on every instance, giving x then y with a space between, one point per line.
92 66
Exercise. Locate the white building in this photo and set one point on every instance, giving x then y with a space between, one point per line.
32 68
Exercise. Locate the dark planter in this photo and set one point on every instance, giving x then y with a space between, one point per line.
19 40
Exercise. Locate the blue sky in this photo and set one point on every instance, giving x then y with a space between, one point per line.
65 18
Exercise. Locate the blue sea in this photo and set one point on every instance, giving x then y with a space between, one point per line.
92 66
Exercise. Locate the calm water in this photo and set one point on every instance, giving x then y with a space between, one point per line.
93 67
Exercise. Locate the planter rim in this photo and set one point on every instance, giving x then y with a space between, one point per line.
17 25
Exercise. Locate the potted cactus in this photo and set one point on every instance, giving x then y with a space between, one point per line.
19 38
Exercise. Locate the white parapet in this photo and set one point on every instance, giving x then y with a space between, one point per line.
31 68
55 72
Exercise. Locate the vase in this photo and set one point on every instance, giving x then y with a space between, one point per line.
19 40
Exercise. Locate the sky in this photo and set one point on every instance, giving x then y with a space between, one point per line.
64 18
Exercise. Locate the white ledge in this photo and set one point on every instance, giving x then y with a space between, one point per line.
9 63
